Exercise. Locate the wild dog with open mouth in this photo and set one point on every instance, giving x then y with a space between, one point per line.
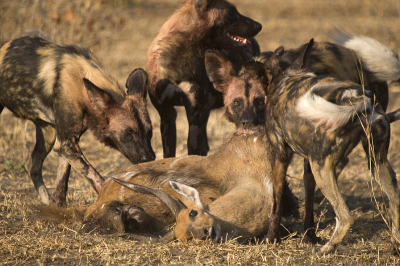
175 64
225 195
323 119
354 58
64 91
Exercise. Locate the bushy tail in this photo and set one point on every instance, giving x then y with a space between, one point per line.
376 57
332 115
60 214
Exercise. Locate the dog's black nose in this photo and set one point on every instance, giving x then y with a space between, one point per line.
258 26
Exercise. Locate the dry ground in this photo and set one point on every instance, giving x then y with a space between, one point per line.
119 32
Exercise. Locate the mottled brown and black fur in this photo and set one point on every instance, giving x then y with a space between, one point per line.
233 183
175 64
322 119
64 91
330 59
338 61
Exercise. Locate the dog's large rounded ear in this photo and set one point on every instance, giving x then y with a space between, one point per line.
201 6
278 52
219 69
302 61
136 83
100 99
274 59
273 63
260 71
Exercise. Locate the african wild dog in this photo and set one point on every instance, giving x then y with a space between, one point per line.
356 59
64 91
322 119
175 64
226 194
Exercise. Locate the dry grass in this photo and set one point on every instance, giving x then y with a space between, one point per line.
119 32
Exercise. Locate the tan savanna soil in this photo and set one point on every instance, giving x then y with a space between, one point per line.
119 33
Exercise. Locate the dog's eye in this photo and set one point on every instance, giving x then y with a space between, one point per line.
127 135
236 102
193 213
234 15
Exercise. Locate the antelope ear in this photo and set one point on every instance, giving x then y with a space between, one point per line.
136 83
302 61
188 192
219 69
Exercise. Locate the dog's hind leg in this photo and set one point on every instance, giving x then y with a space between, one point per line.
386 177
309 188
325 178
45 138
384 173
279 170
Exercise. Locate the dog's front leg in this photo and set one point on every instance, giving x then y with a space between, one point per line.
197 112
163 97
70 150
61 187
168 130
197 142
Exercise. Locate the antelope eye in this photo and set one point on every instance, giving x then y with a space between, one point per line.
193 213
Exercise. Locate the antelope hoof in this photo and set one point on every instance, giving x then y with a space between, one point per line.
136 213
327 249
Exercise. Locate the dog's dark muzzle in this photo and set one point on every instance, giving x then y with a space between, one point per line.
246 27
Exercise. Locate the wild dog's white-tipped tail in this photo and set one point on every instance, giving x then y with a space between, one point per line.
376 57
326 114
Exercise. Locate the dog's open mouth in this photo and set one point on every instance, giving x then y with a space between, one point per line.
238 39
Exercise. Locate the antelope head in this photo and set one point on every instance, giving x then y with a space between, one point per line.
192 218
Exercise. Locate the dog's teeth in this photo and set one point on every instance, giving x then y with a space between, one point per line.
236 39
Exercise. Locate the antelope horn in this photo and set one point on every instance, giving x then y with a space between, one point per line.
174 205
